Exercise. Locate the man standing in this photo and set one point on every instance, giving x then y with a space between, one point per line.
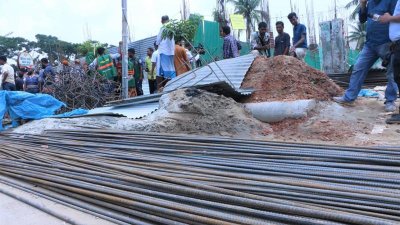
104 64
260 41
138 70
230 47
47 76
132 91
377 46
282 41
166 50
7 75
394 35
19 79
188 48
48 70
299 47
155 63
151 73
181 61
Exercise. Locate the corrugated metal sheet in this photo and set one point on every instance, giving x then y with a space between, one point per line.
140 46
232 71
134 111
135 100
133 108
218 75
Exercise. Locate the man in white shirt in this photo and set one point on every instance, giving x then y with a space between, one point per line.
166 50
155 60
394 34
7 75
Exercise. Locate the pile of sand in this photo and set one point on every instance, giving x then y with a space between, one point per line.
185 111
284 78
193 111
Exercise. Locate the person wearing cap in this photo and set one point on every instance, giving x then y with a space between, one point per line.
7 75
66 68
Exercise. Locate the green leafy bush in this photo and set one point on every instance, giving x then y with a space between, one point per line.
182 29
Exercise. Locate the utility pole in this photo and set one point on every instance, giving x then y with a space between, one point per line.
335 10
124 51
291 6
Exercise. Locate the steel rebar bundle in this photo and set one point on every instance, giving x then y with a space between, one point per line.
136 178
77 89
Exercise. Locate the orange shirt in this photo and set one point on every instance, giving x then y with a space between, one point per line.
181 62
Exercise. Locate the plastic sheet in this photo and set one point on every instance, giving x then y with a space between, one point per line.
24 105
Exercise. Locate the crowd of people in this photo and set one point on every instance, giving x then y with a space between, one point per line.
166 59
260 41
26 79
171 57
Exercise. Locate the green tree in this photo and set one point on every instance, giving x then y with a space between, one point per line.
183 29
351 4
55 48
248 8
89 46
10 46
358 35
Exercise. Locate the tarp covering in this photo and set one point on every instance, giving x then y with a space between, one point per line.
23 105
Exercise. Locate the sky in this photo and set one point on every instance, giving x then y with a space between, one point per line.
79 20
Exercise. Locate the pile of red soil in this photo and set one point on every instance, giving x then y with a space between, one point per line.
284 78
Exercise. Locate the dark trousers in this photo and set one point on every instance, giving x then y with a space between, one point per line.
8 86
396 62
139 89
152 86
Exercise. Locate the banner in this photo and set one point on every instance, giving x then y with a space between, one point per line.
237 22
24 60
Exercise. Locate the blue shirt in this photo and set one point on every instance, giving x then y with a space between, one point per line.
377 33
299 30
48 71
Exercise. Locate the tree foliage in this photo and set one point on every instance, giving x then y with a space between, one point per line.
89 46
355 11
249 10
182 29
358 35
9 46
55 48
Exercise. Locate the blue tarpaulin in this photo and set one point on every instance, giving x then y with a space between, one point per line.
368 93
23 105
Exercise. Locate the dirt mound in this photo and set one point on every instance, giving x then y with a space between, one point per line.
193 111
185 111
284 78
